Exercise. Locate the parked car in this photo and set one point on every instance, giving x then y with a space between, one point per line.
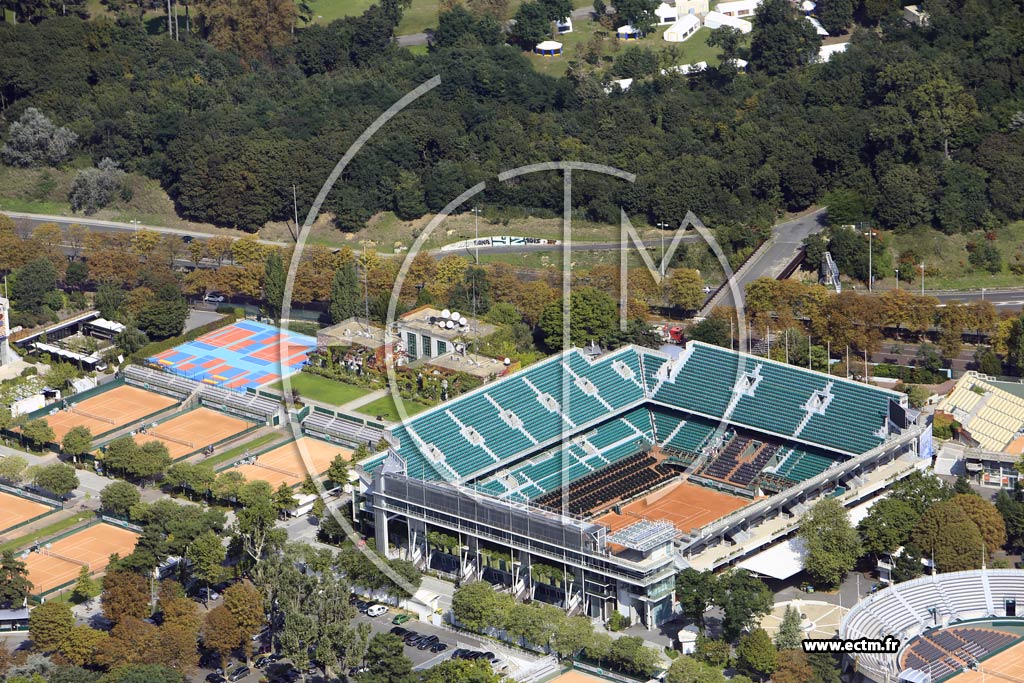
377 610
399 631
401 618
438 647
427 642
213 298
239 673
208 594
262 662
410 636
215 678
362 606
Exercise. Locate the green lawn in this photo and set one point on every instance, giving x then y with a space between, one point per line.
385 407
323 389
235 452
693 50
45 532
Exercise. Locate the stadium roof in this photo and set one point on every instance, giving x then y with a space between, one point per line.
565 397
993 417
781 561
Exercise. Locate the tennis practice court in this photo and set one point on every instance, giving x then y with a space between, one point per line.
285 463
1007 665
49 568
574 676
688 506
108 411
192 431
245 354
14 510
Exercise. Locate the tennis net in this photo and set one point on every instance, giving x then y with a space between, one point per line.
277 469
168 437
50 553
83 413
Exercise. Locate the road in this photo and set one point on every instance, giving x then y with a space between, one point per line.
784 244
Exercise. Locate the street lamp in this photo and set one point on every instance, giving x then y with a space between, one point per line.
135 225
871 275
897 279
922 278
476 243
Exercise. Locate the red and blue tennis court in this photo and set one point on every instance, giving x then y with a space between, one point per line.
242 355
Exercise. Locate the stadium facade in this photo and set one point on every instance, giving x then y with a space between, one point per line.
534 476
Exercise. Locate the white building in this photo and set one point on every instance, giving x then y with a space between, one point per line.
682 29
627 32
685 69
715 20
666 13
817 26
565 25
912 14
738 8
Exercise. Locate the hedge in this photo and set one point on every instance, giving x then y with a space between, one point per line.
156 347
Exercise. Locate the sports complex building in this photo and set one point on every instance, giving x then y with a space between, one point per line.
588 483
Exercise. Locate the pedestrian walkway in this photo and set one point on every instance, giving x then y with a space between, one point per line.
362 401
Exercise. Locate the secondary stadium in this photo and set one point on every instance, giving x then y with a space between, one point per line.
957 626
589 482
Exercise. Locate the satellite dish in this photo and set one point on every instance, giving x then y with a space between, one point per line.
508 361
463 322
450 325
455 315
446 314
460 348
442 323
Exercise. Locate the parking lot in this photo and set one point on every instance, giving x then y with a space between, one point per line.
421 659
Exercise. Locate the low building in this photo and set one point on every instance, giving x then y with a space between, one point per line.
682 29
825 52
549 48
101 328
427 332
351 332
474 364
738 8
565 25
912 14
666 13
817 26
627 32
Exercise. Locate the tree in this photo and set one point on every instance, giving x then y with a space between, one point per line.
986 517
14 583
695 591
781 39
386 661
284 498
109 299
887 526
686 289
946 534
793 667
246 606
728 39
86 588
988 362
756 655
921 490
338 470
33 283
34 140
943 107
461 671
165 316
688 670
253 30
58 478
12 468
221 632
632 656
149 460
836 16
145 673
273 284
345 293
125 594
790 633
77 442
207 554
832 543
744 600
717 653
712 330
531 25
593 316
49 625
637 13
94 188
76 275
477 605
571 635
119 498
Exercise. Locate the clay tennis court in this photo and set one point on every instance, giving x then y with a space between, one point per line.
92 546
574 676
1008 664
192 431
15 510
108 411
688 506
288 462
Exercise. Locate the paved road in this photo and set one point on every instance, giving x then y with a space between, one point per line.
785 243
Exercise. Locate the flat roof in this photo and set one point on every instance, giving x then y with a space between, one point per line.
425 321
353 331
470 363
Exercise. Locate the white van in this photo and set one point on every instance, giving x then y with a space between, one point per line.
377 610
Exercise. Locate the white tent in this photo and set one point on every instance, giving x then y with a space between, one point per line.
565 25
627 32
685 69
715 20
666 13
817 26
825 52
682 29
548 47
807 6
